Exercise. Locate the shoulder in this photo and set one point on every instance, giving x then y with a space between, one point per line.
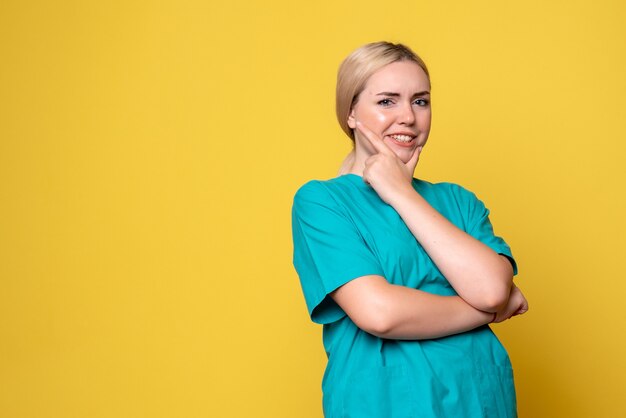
316 197
312 190
322 190
446 190
311 187
460 205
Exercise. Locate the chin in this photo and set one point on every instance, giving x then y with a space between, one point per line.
405 155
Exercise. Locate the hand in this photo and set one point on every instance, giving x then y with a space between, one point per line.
516 305
384 171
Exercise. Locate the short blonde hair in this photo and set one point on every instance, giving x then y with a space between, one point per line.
358 67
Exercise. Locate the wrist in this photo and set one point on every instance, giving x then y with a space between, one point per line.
406 199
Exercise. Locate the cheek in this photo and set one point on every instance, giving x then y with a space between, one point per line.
424 119
424 126
375 118
380 117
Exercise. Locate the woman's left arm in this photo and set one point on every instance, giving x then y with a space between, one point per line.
479 275
482 277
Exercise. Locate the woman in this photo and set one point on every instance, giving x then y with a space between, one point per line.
404 274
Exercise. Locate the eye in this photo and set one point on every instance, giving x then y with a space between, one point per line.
385 102
421 102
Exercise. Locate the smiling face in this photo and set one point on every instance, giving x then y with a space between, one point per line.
395 105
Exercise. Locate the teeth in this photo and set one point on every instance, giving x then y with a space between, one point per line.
402 138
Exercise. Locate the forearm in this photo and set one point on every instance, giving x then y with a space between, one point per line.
399 312
478 274
414 314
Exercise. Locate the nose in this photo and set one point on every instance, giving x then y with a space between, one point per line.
407 114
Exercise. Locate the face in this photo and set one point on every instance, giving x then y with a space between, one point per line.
395 105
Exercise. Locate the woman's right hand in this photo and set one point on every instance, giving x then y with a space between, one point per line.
516 305
388 175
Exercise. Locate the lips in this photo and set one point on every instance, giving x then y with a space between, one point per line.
403 139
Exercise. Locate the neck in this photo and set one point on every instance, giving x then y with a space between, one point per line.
356 169
356 165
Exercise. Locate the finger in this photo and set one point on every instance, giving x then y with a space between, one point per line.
371 159
414 159
366 179
519 312
522 309
378 144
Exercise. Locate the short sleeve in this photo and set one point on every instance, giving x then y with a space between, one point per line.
479 226
328 250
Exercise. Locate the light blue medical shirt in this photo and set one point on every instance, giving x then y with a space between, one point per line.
343 230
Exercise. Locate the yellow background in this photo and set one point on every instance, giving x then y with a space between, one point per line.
149 152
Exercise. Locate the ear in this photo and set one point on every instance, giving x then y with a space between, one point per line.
351 119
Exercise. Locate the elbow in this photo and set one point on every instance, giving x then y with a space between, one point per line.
495 294
494 303
378 321
380 327
496 297
369 303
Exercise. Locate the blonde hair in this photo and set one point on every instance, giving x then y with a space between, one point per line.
353 74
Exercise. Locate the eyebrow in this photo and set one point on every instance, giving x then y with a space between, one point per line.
392 94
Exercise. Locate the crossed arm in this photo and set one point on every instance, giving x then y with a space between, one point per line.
482 278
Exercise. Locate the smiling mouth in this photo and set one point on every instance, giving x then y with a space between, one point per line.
405 139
